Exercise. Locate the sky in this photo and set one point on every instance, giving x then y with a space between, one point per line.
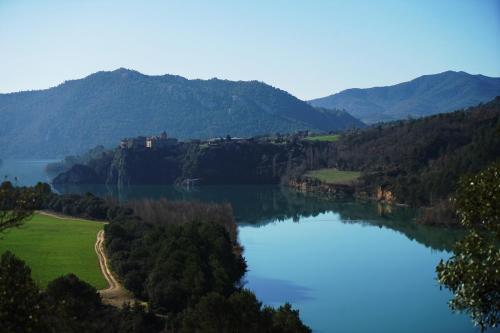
308 48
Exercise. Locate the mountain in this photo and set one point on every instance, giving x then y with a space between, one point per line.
108 106
423 96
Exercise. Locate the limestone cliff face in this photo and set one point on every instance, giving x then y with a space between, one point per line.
384 194
118 171
225 162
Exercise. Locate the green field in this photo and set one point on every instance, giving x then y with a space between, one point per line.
332 176
53 247
329 138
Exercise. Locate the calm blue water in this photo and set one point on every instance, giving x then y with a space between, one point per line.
349 277
348 267
24 172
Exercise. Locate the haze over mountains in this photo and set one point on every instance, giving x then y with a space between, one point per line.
423 96
105 107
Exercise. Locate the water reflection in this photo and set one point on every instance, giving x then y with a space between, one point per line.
277 290
253 205
260 205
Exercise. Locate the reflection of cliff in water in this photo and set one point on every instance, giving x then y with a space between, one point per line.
259 205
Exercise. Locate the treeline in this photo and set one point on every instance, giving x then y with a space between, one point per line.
163 211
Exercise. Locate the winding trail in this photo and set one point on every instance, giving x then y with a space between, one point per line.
103 262
65 217
115 294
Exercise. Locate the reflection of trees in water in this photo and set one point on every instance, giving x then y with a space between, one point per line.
260 205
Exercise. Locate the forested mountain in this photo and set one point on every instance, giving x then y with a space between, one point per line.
423 96
108 106
421 160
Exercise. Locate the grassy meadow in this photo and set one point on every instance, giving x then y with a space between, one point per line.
333 176
329 137
53 247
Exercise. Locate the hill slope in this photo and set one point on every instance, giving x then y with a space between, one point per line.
423 96
107 106
419 161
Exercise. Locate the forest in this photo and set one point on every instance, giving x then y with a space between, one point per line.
421 160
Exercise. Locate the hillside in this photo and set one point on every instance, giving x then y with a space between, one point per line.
108 106
419 161
226 162
423 96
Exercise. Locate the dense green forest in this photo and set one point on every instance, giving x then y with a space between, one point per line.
423 96
105 107
422 160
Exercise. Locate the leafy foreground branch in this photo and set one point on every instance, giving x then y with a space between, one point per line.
473 273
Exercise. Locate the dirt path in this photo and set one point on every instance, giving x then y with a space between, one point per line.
65 217
115 294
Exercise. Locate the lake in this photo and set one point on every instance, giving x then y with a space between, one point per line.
347 266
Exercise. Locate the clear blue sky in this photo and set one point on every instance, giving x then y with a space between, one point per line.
309 48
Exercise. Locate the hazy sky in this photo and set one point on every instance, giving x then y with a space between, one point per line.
309 48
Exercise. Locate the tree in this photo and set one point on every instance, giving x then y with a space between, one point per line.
473 272
240 312
75 298
16 205
19 297
287 320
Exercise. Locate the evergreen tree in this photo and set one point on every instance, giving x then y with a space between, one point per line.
20 309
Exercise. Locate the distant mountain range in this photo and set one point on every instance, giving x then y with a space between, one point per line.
105 107
423 96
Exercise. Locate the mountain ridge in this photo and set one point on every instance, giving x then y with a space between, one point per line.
106 106
422 96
